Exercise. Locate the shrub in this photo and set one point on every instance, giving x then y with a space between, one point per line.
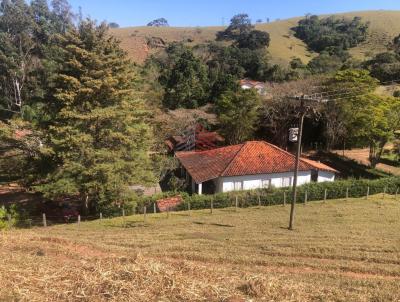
315 191
3 218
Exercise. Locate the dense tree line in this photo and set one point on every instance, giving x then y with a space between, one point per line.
192 77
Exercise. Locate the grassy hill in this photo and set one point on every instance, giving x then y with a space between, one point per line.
384 26
339 251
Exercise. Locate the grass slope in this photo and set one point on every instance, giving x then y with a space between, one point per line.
284 46
340 251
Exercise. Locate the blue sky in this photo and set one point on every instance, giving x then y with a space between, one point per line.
214 12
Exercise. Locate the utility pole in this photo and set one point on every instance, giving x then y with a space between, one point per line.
303 110
297 162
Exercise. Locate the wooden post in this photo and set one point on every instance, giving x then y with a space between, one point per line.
259 201
211 205
101 216
154 208
284 198
325 194
190 212
144 213
9 220
79 219
347 193
384 192
123 217
236 204
305 197
366 197
44 220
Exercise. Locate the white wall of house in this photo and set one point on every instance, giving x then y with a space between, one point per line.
250 182
324 176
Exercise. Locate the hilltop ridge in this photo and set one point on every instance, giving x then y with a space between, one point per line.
141 41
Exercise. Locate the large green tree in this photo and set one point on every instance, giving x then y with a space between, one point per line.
242 32
237 113
16 53
368 119
186 84
97 128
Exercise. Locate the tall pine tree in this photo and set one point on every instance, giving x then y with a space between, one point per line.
98 124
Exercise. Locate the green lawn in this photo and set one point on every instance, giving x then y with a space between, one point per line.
339 251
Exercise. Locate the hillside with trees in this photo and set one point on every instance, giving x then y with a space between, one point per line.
80 119
284 45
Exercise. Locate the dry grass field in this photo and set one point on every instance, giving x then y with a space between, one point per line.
284 46
339 251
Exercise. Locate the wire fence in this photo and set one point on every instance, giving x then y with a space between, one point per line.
211 203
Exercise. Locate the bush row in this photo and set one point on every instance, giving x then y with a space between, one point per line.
314 191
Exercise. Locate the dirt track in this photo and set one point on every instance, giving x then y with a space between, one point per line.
361 156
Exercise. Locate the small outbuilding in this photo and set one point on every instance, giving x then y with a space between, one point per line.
250 84
247 166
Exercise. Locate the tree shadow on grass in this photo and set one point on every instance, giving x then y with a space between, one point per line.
214 224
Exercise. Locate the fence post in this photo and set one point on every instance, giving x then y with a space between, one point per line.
154 208
9 220
236 203
347 193
325 194
305 197
123 217
79 219
384 192
101 216
284 198
366 197
190 212
259 201
144 213
211 205
44 220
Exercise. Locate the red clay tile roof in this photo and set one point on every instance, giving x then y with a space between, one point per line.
168 204
251 83
319 166
205 140
250 158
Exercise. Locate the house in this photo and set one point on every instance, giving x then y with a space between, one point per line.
195 138
248 84
251 165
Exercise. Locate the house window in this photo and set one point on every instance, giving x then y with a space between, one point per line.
266 183
238 185
286 181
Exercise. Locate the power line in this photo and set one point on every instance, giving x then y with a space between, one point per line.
342 93
397 81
